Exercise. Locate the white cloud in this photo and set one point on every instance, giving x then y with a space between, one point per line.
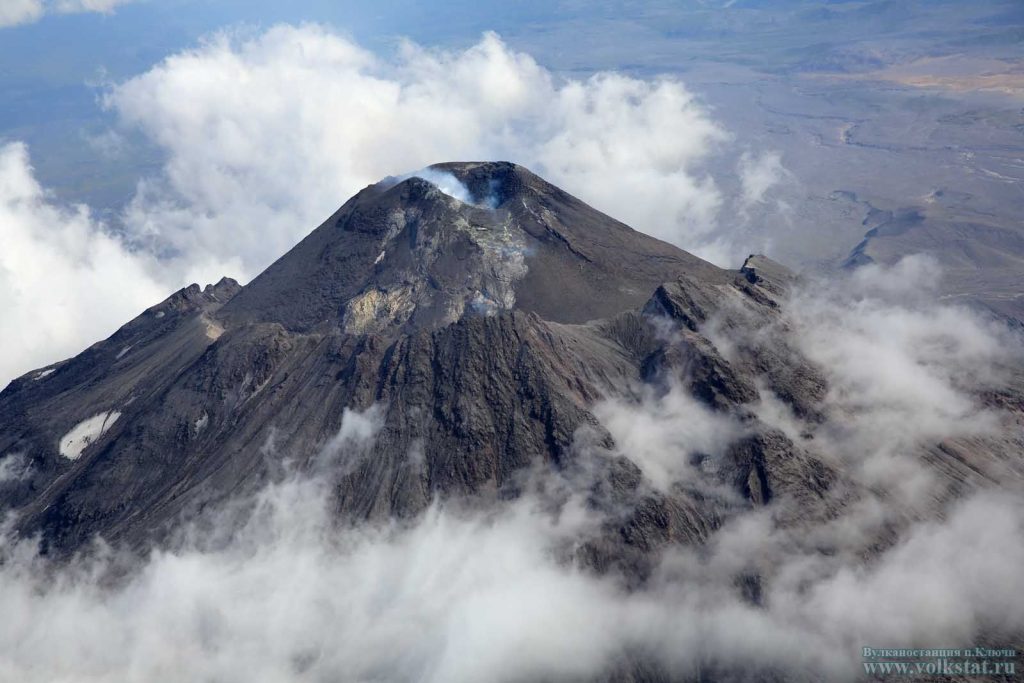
903 370
12 468
455 598
459 596
79 6
634 149
65 281
266 135
942 584
15 12
662 433
758 174
463 594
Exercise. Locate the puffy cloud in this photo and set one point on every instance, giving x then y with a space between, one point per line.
78 6
274 589
456 598
634 149
663 433
65 280
943 584
15 12
758 174
464 594
903 369
459 596
266 135
897 563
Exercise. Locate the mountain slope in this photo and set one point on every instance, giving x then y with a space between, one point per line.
466 321
487 337
503 350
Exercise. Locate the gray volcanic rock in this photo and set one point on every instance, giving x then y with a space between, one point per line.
485 332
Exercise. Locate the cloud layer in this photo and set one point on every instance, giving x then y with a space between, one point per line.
279 591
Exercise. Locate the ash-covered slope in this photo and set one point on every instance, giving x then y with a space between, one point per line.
485 331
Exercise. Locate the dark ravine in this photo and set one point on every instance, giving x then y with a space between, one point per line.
485 332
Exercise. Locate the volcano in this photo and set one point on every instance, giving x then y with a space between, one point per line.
485 326
508 344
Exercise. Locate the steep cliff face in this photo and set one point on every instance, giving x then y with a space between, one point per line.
484 330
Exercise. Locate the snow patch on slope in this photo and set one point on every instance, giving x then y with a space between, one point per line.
86 432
